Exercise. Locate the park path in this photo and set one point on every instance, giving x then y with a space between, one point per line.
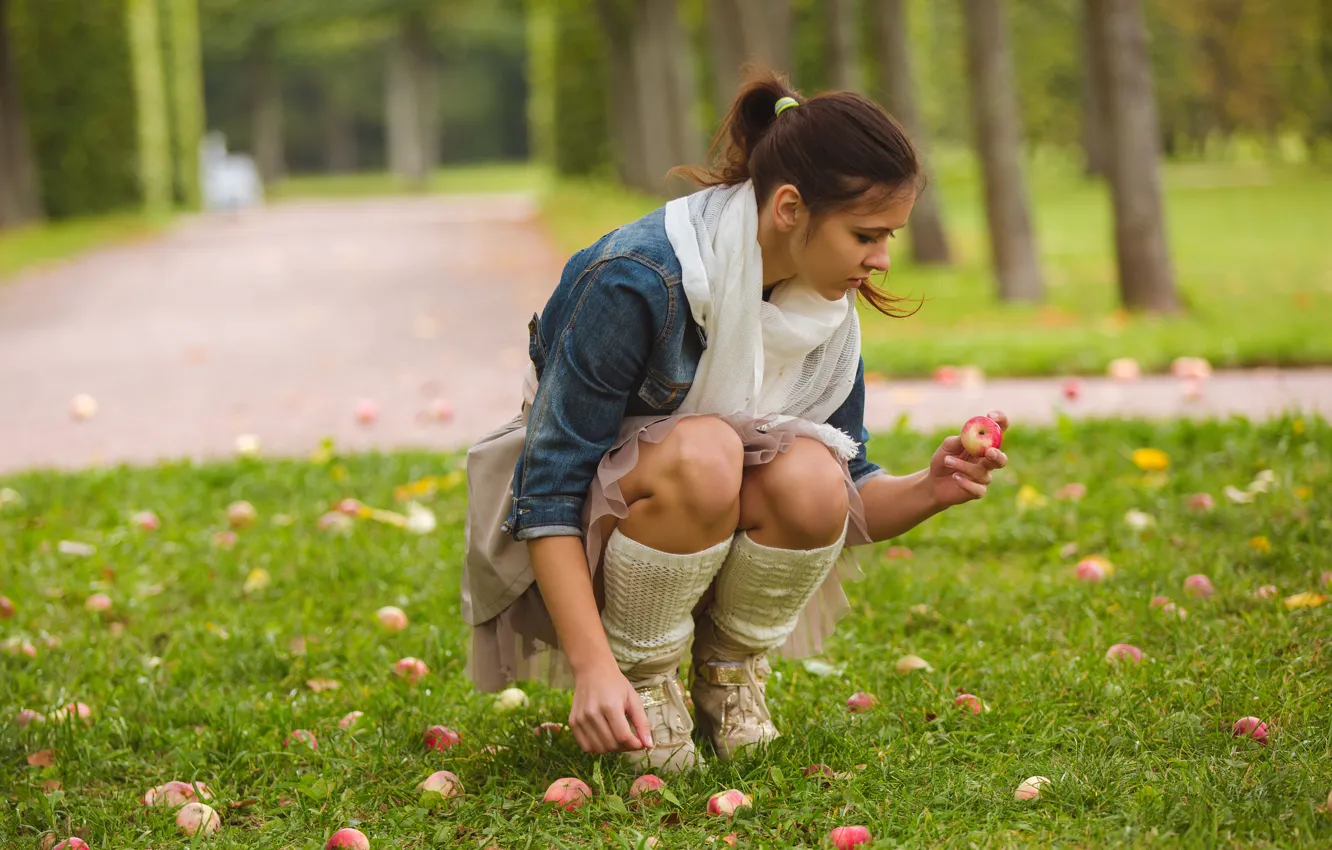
276 321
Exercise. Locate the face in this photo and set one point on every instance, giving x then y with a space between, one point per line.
845 246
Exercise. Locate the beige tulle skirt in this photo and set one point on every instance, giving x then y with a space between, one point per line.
518 643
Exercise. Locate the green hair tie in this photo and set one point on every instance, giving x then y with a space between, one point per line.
785 103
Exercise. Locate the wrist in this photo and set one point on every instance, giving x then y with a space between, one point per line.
927 494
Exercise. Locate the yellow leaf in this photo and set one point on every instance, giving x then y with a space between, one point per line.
1029 497
1260 544
1305 600
1151 460
257 580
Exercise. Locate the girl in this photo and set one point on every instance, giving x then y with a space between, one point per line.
689 461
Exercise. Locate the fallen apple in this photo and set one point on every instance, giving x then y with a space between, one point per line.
197 817
82 407
241 514
348 507
73 709
910 664
860 702
350 718
392 618
348 839
549 728
1124 651
509 699
6 608
15 645
1030 788
71 844
1250 727
97 603
442 782
567 793
441 738
970 702
27 716
727 802
648 783
1199 585
1267 591
411 669
979 434
1072 389
821 773
366 411
1201 502
302 736
145 521
174 793
947 376
843 837
1124 369
1090 570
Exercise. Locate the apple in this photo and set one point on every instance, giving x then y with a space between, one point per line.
1191 367
1124 651
225 539
548 728
911 663
334 521
648 783
970 702
97 603
348 839
510 699
1201 502
1030 788
73 709
1071 492
174 793
1326 578
6 608
197 817
1072 389
442 782
860 702
1124 369
567 793
1160 601
726 802
441 410
821 773
947 376
71 844
843 837
366 411
82 407
1251 727
1090 569
27 716
980 433
1198 585
146 521
441 738
392 618
15 645
411 669
348 507
241 513
303 736
1267 591
350 718
1174 610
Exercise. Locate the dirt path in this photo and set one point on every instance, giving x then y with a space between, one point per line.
275 322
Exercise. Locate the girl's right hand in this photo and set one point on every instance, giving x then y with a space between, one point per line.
607 714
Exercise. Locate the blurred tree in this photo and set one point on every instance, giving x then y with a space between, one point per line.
842 45
743 32
569 111
998 134
20 198
181 44
652 94
1146 275
155 165
1095 133
929 244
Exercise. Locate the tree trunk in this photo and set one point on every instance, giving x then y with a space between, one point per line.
999 142
188 97
929 242
843 45
266 108
1146 275
742 32
20 199
340 151
1095 132
652 94
410 102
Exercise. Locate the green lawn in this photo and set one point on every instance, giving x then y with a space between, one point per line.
1249 243
30 246
191 677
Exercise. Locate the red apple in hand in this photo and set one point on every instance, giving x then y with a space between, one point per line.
979 434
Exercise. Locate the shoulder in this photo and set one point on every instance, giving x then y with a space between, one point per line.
638 252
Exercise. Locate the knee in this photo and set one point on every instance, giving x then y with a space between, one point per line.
703 470
803 493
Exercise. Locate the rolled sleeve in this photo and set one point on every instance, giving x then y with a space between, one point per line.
591 369
850 419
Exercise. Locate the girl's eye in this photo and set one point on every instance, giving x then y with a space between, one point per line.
866 240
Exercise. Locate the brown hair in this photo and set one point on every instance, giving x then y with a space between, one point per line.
838 149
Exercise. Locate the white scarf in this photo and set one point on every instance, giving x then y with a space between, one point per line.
792 359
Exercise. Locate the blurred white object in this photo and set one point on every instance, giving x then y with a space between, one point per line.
229 181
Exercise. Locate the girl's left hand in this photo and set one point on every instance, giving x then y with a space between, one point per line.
956 476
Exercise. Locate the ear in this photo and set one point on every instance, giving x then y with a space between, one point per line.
787 208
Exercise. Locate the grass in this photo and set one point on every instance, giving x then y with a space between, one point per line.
27 247
1248 243
204 681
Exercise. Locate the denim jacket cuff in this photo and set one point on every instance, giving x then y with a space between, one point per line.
870 471
531 513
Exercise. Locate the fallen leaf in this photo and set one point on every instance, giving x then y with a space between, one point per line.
1237 495
822 668
257 580
42 758
1305 600
73 547
1260 544
1151 460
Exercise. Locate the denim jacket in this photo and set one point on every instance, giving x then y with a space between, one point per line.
615 339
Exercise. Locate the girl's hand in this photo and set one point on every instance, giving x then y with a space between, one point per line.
956 476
